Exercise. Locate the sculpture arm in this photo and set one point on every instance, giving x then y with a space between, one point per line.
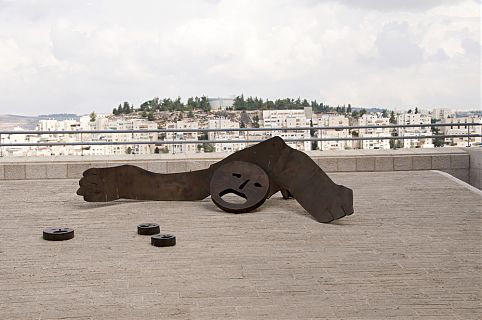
131 182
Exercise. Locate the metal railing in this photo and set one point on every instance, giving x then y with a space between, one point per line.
165 142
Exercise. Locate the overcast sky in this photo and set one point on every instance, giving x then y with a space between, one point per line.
77 56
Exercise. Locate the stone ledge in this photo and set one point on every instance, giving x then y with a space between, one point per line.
217 156
457 161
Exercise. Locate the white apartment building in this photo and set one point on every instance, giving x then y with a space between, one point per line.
121 124
101 123
442 113
374 120
458 129
172 136
289 119
413 119
327 120
222 123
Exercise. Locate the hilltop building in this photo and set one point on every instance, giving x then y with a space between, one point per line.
332 121
462 129
171 136
288 119
221 103
373 120
442 113
223 123
414 119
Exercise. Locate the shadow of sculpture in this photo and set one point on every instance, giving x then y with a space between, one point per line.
254 173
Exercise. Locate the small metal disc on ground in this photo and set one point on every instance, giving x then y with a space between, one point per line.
58 234
148 229
163 240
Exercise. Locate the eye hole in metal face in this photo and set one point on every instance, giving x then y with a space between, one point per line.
258 185
237 175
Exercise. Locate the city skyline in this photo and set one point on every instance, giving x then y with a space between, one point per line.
69 57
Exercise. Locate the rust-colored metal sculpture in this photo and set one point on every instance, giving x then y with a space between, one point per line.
290 171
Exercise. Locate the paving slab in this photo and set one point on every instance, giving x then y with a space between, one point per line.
411 251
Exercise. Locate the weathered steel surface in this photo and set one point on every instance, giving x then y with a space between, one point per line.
289 170
58 234
163 240
148 229
243 179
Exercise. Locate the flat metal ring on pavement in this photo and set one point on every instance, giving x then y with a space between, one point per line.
243 179
163 240
58 234
148 229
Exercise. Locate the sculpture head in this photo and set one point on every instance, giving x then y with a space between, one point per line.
243 179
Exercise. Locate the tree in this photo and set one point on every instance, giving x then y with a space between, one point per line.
93 116
409 110
256 121
384 113
150 116
314 144
129 150
126 108
437 141
239 103
208 147
192 103
392 118
203 136
416 110
204 104
348 110
362 112
392 141
156 150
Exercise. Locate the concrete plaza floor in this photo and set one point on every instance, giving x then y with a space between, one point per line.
411 250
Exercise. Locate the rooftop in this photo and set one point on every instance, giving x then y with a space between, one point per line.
412 249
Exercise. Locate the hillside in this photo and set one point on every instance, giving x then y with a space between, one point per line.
8 122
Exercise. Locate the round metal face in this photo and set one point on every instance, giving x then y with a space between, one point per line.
243 179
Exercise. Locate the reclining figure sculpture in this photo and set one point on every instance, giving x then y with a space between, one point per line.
264 169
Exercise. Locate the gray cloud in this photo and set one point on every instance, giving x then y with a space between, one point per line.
396 5
471 47
65 56
396 46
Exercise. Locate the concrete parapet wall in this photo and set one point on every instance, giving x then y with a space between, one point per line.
475 167
463 163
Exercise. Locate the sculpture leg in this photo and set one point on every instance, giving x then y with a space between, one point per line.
286 194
